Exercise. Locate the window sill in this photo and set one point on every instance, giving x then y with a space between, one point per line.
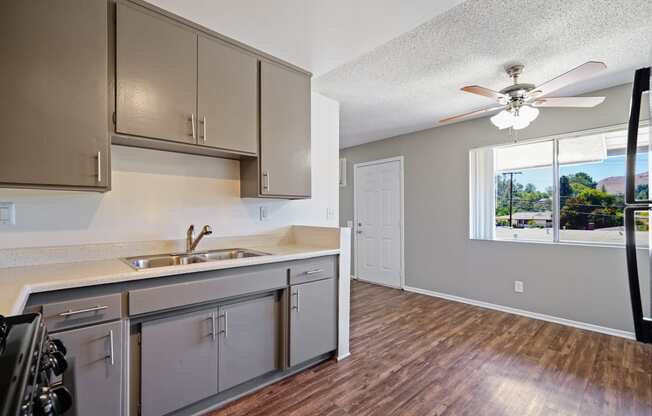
559 243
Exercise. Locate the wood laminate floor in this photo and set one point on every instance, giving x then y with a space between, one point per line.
417 355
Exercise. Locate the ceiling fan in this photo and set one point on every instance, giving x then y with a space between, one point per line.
519 101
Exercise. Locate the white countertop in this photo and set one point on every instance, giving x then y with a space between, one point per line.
17 283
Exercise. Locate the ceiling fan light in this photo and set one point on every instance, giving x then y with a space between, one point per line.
503 120
520 123
528 113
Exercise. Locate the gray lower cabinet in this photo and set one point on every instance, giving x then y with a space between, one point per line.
249 340
179 361
156 76
94 371
313 319
227 96
54 106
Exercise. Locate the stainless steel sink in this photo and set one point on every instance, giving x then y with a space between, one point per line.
163 260
228 254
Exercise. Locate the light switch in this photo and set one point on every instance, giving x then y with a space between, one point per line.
7 213
263 213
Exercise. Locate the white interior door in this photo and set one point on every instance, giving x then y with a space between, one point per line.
378 222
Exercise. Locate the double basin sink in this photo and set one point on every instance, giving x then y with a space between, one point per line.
163 260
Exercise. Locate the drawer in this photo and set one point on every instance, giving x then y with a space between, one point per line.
72 313
201 291
309 270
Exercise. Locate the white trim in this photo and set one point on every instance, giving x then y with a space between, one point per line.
379 284
401 161
528 314
343 356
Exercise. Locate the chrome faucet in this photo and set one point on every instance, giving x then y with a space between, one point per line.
191 241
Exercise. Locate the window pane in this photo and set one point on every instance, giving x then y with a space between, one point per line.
592 187
524 192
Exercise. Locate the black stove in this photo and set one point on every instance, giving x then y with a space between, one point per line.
29 362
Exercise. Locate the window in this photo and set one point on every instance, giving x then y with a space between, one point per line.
566 189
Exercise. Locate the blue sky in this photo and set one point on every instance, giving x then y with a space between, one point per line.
612 166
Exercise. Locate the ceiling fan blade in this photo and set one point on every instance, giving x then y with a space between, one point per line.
472 113
585 102
485 92
578 74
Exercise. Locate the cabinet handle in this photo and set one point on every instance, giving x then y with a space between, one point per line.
203 139
111 355
194 129
213 325
225 331
99 167
266 181
78 311
296 294
309 272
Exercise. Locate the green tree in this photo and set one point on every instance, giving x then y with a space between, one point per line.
591 208
642 191
581 178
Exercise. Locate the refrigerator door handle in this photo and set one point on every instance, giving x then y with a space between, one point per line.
641 84
642 327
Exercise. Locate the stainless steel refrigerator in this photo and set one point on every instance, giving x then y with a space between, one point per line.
638 211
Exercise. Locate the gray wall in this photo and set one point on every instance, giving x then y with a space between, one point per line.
581 283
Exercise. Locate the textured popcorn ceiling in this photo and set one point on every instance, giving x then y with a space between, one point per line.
413 80
317 35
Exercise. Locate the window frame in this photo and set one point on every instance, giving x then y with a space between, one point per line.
555 139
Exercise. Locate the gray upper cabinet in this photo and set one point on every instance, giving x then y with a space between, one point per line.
94 374
249 340
156 76
284 131
227 97
313 319
54 106
179 358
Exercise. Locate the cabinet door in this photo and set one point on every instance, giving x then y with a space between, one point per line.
284 131
53 81
249 340
313 320
178 361
94 373
227 97
156 76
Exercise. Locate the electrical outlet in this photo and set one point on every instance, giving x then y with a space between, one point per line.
264 214
330 213
518 286
7 213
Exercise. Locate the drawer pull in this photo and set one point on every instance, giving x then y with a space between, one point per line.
77 312
309 272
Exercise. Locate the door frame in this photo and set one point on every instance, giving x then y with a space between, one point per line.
401 161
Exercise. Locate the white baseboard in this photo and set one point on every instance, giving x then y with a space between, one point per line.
522 312
342 357
353 277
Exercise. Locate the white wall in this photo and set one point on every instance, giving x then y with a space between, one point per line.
580 283
156 195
